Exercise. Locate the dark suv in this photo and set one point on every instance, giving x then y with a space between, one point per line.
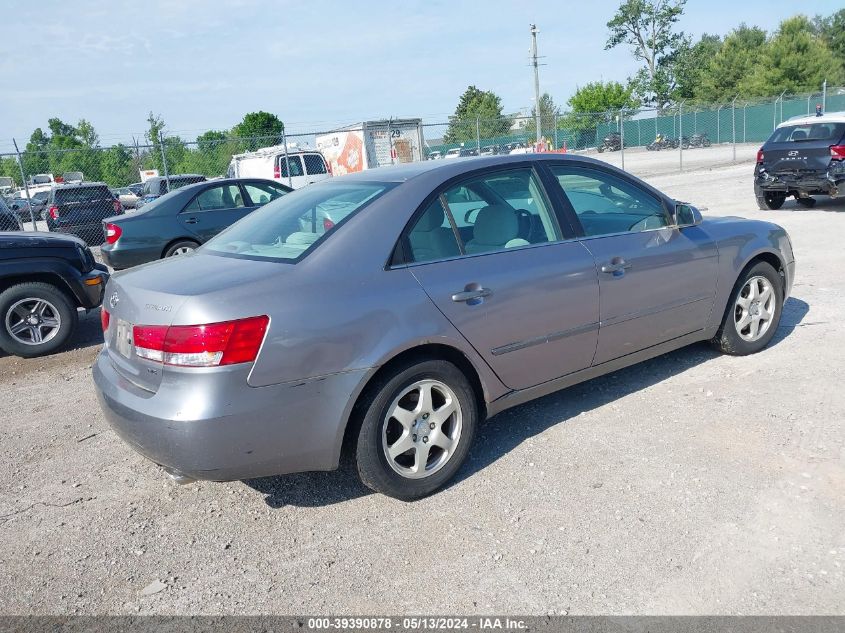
805 156
157 186
44 279
80 210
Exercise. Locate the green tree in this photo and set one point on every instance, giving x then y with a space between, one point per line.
797 60
594 104
729 71
258 129
117 167
648 27
154 132
548 112
690 65
479 113
832 31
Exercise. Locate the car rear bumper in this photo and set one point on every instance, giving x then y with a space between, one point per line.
829 182
209 424
121 258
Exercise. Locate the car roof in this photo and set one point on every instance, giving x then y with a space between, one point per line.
225 181
78 185
830 117
454 167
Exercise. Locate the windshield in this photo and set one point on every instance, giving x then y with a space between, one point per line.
290 227
822 131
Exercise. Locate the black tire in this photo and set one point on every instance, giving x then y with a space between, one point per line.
771 200
372 463
807 203
60 307
727 339
173 249
601 149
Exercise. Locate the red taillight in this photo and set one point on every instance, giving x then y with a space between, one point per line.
113 233
327 224
104 319
226 343
277 172
759 155
329 168
54 212
837 152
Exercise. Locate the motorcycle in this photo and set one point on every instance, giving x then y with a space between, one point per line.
699 139
659 143
611 143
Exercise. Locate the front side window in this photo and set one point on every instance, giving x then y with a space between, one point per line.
606 204
290 227
262 193
295 166
215 198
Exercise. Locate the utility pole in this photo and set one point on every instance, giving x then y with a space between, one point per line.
824 96
534 63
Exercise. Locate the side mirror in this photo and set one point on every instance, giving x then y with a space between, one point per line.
686 215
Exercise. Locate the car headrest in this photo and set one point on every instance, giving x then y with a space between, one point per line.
495 224
432 218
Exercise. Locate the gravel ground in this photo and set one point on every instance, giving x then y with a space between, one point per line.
691 484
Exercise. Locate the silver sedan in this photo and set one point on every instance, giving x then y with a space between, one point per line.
440 294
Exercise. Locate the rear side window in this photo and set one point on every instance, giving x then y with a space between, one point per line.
314 164
83 194
822 131
295 166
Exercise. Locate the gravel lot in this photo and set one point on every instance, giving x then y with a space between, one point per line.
691 484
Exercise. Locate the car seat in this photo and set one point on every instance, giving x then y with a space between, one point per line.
430 240
496 227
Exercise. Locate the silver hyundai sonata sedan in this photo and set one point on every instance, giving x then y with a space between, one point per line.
441 293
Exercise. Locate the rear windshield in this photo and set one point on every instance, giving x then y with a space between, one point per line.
82 194
290 227
41 180
827 131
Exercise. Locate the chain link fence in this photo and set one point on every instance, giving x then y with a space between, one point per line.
642 141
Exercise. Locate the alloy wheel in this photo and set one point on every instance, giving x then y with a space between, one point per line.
422 429
33 321
754 310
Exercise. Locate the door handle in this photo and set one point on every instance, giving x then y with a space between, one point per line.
191 221
617 266
473 294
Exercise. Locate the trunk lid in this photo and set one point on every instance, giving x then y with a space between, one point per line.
802 147
166 293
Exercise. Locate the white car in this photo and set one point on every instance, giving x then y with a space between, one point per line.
295 168
128 199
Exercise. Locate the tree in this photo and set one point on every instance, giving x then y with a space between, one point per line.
730 69
548 111
117 167
594 104
832 31
259 129
479 113
153 134
797 60
690 65
648 27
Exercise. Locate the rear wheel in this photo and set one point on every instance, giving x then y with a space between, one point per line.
417 429
772 200
37 319
753 312
181 248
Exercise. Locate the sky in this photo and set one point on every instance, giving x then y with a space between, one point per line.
203 64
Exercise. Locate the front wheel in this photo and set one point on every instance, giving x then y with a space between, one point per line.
753 312
417 430
37 319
